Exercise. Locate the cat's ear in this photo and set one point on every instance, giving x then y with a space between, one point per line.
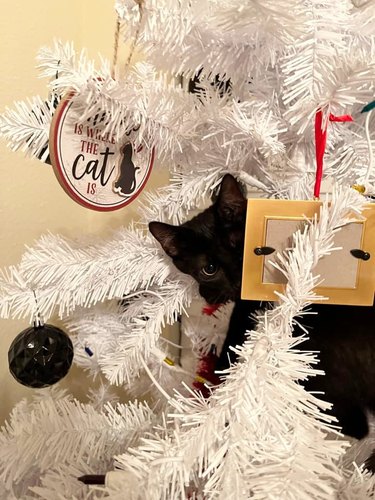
231 202
167 236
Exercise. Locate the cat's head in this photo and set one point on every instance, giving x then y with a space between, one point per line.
209 247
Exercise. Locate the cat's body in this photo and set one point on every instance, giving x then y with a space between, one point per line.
345 339
210 247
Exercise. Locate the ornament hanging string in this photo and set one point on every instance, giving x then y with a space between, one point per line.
359 4
115 49
133 44
320 144
137 33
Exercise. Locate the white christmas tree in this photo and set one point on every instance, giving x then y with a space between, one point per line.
283 67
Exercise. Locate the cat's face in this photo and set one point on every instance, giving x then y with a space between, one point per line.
209 247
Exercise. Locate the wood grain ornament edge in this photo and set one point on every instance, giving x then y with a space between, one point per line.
66 100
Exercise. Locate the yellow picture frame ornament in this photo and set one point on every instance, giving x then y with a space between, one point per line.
346 278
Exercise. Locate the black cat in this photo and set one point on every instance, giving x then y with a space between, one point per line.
126 183
210 249
210 246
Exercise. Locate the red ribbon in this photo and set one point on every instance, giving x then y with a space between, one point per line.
206 370
320 144
210 309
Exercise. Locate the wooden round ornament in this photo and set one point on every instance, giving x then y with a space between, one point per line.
94 167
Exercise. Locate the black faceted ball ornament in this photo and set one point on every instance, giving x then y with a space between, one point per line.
40 356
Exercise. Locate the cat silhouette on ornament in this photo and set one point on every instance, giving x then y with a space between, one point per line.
209 247
126 182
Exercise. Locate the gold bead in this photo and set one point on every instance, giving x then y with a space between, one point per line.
168 361
360 188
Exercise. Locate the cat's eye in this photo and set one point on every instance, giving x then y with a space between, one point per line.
209 269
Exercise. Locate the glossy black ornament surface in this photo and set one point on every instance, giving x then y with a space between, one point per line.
40 356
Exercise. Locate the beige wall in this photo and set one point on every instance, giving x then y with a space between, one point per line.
31 200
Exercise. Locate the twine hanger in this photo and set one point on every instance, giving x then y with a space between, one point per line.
359 4
140 4
115 48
